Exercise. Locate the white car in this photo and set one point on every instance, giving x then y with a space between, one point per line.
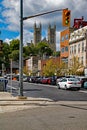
69 83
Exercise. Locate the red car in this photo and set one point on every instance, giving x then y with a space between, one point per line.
46 81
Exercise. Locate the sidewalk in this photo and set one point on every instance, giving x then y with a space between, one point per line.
9 103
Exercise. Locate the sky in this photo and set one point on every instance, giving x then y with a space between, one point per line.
10 17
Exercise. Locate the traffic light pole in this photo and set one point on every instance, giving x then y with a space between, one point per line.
21 51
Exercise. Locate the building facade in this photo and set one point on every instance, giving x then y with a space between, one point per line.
37 33
78 46
64 44
51 40
32 65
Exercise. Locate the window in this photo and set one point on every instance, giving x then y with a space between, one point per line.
75 49
82 46
62 39
72 49
67 37
78 48
66 48
62 49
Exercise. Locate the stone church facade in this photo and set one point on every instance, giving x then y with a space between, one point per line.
51 38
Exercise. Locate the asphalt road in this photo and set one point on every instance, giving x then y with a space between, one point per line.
46 118
48 91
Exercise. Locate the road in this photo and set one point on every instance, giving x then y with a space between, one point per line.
46 118
61 116
49 91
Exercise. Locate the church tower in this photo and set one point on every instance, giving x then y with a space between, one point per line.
52 37
37 33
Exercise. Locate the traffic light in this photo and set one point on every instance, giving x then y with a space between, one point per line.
66 14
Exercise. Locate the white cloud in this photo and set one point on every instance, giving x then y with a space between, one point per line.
28 36
7 40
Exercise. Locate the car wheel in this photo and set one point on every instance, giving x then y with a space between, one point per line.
65 87
78 88
58 86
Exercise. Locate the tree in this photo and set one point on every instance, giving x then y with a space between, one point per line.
4 57
43 48
57 53
50 68
14 55
62 69
75 66
14 45
14 49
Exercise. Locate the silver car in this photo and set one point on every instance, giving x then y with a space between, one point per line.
69 83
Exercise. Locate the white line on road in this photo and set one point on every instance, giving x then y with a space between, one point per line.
83 91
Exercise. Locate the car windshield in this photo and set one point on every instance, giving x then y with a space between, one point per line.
72 79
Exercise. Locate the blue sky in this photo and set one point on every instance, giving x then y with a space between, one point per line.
10 17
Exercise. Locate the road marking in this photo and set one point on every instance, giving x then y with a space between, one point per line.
83 91
12 87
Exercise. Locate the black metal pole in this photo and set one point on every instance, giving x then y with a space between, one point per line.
21 51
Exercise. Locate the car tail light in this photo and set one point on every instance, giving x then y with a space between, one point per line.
70 82
78 82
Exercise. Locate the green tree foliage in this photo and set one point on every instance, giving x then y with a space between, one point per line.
43 48
14 55
4 57
14 49
14 45
30 50
57 53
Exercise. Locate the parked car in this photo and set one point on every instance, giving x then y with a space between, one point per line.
45 80
38 79
16 77
69 83
83 81
53 80
59 79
